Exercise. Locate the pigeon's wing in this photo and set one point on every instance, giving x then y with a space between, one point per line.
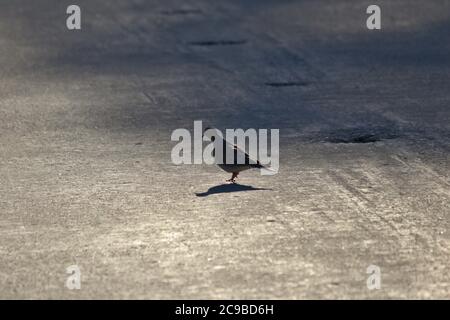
237 152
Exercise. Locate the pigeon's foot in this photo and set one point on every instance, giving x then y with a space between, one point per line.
233 177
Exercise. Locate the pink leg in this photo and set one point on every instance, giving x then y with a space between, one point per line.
233 177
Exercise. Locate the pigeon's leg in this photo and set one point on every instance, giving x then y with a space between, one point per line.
233 177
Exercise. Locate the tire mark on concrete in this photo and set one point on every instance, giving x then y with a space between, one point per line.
361 201
433 176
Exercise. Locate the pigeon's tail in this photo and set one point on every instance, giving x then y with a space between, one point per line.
258 165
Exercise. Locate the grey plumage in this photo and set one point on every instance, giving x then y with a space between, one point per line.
234 166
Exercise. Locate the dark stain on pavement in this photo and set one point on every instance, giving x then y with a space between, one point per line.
210 43
359 135
287 84
177 12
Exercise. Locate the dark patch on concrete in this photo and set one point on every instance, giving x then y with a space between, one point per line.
211 43
287 84
360 135
177 12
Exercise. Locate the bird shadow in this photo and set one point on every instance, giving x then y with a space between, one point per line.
228 188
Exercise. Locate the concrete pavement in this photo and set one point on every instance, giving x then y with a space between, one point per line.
85 171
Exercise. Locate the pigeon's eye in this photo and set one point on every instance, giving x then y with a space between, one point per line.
213 138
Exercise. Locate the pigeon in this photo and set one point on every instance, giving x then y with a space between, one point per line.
234 167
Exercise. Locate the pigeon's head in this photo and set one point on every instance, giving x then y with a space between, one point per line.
210 133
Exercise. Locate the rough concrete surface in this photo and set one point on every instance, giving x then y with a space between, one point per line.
86 176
